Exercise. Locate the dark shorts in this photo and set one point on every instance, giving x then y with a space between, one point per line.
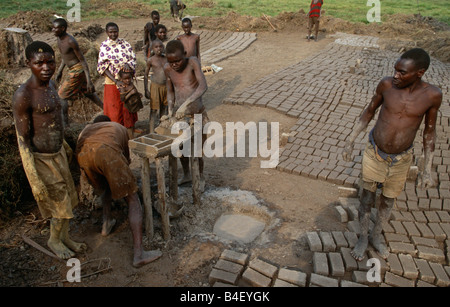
103 167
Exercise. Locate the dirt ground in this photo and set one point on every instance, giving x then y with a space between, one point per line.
292 205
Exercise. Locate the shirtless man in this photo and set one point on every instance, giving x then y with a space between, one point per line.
103 155
191 41
186 85
150 33
78 79
158 89
404 100
39 125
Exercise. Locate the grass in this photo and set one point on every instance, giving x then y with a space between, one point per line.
352 10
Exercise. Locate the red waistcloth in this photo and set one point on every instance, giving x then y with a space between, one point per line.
115 109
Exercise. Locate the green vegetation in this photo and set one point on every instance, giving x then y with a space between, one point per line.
352 10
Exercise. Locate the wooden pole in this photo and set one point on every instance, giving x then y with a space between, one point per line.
162 198
173 177
267 18
146 193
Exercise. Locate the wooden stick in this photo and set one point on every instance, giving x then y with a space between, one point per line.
267 18
147 197
162 197
40 248
173 177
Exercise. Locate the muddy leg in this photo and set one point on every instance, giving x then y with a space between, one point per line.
186 171
135 216
55 243
76 247
376 238
153 115
367 200
108 222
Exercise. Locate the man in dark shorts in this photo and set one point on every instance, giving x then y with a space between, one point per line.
78 79
103 155
405 100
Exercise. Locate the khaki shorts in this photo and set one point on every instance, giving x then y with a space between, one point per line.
376 171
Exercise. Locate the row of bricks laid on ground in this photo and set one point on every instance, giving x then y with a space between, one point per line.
235 269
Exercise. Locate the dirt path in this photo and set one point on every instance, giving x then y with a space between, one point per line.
297 204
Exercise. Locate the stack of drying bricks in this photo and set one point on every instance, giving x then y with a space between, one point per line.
418 241
235 269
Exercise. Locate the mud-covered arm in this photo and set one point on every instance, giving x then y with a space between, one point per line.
364 120
22 120
429 141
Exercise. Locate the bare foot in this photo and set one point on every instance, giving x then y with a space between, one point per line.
379 244
75 246
360 248
60 249
107 227
146 257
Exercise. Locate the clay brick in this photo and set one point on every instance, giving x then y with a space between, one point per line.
256 279
327 241
395 265
339 238
425 242
442 279
400 247
294 277
341 214
349 284
320 263
314 242
229 266
349 261
337 265
322 281
425 230
438 232
394 237
282 283
431 254
351 237
409 267
425 272
234 256
419 216
222 276
263 267
411 229
397 281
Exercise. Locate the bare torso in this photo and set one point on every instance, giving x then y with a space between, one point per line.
185 84
68 55
190 44
400 116
157 63
44 112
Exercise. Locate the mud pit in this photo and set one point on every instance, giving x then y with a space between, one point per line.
289 205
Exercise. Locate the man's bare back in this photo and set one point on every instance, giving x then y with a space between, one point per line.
401 114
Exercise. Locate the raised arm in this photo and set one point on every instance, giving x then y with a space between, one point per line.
364 120
22 118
